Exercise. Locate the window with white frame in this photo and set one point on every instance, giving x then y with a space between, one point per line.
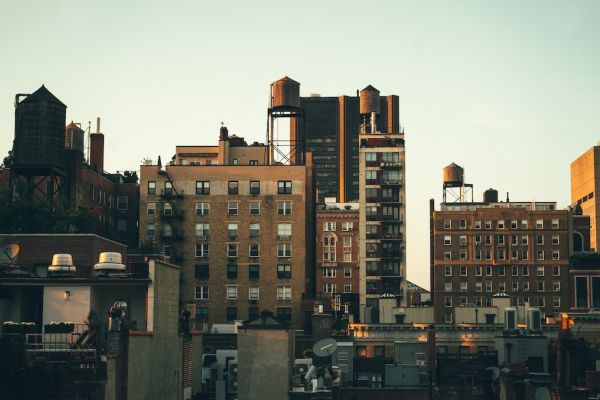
447 224
232 208
556 286
540 286
284 250
555 239
463 270
329 288
488 286
462 240
478 287
201 292
347 272
515 286
447 271
556 302
555 224
501 271
526 286
462 254
202 208
284 207
447 286
151 210
514 240
448 301
232 250
478 271
524 239
284 230
329 226
232 230
555 270
347 226
254 229
329 248
502 286
328 272
514 224
254 250
463 286
541 302
347 241
539 239
500 224
347 288
525 270
477 239
347 256
477 224
232 292
167 209
150 232
524 224
462 224
202 230
284 292
201 250
525 254
488 224
447 255
122 202
488 270
284 271
253 293
555 254
540 270
255 208
539 224
540 255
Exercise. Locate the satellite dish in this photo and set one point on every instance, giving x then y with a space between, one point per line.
325 347
542 393
8 253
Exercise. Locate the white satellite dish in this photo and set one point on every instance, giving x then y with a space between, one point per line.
325 347
8 253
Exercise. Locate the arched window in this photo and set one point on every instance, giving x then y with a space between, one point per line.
329 247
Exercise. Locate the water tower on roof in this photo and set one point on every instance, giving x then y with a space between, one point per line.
455 186
38 155
284 102
369 109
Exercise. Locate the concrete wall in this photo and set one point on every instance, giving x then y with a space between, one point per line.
155 362
197 352
74 309
264 364
423 315
521 348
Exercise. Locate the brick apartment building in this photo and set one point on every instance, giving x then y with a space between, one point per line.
337 266
585 183
241 230
521 248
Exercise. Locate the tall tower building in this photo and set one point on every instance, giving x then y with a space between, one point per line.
382 211
329 129
585 182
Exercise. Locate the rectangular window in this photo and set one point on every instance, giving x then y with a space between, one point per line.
254 250
121 225
478 271
231 314
463 271
151 209
347 257
525 271
541 302
447 271
202 208
501 254
556 286
463 286
526 286
513 224
581 292
253 271
167 209
329 226
555 254
329 288
232 231
447 240
462 240
284 187
255 208
515 286
540 255
253 312
555 239
347 226
122 202
539 239
232 292
201 271
201 250
488 286
447 286
201 292
150 232
347 272
284 250
540 270
488 270
202 187
233 187
539 224
500 224
524 224
284 314
168 188
202 231
284 231
462 254
284 207
347 288
478 287
284 271
284 292
488 239
477 224
515 271
524 240
232 250
555 270
254 187
502 286
232 208
462 224
254 229
447 301
447 224
477 239
253 293
253 162
556 302
555 224
447 255
501 240
488 224
501 270
151 187
525 254
328 272
201 315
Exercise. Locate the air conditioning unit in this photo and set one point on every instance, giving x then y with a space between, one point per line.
232 377
534 319
510 319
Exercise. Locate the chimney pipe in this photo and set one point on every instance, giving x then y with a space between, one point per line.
97 148
98 125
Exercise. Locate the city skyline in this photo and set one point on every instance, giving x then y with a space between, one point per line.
516 91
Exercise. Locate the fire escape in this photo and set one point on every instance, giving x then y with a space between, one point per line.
171 217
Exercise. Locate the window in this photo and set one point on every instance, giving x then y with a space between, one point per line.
462 240
202 208
329 249
328 272
447 224
581 292
232 292
447 240
463 286
540 286
167 209
232 208
477 239
254 187
284 271
556 286
463 271
447 286
347 272
447 271
254 229
525 254
525 271
463 300
233 187
501 240
526 286
488 270
478 287
202 187
514 254
515 271
168 188
284 292
253 293
500 224
370 175
231 314
556 302
502 286
541 302
488 286
150 231
501 270
284 207
462 254
514 240
515 286
447 301
513 224
254 250
232 231
555 254
329 288
329 226
524 224
202 230
347 241
151 187
284 187
232 250
284 230
462 223
524 239
555 224
539 239
477 224
254 208
201 292
555 239
253 271
122 202
347 226
540 270
253 312
540 254
151 209
488 239
284 250
121 225
253 162
488 255
478 271
201 314
347 288
284 314
201 250
488 224
201 271
555 270
501 254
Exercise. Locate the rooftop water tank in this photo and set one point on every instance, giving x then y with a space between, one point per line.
39 131
109 263
286 93
369 100
490 196
62 264
74 137
453 174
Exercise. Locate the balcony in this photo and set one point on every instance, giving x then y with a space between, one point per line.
391 182
390 200
392 236
391 164
169 193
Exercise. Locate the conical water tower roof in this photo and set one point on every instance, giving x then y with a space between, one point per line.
370 89
43 94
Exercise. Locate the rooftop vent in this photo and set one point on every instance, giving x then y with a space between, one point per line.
62 264
110 264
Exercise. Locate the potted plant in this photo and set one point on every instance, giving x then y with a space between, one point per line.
18 327
59 327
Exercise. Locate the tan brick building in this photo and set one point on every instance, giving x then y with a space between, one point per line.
520 248
240 229
585 183
336 255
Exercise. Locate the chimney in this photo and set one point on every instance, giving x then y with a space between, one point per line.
97 148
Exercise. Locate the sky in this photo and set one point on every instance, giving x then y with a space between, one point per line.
509 90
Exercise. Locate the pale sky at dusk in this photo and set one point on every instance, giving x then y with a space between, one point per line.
510 90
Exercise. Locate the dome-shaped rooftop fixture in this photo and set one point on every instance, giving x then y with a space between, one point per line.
501 294
387 296
285 93
62 264
110 263
369 100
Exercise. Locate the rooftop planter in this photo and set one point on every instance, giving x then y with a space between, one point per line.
18 327
59 327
